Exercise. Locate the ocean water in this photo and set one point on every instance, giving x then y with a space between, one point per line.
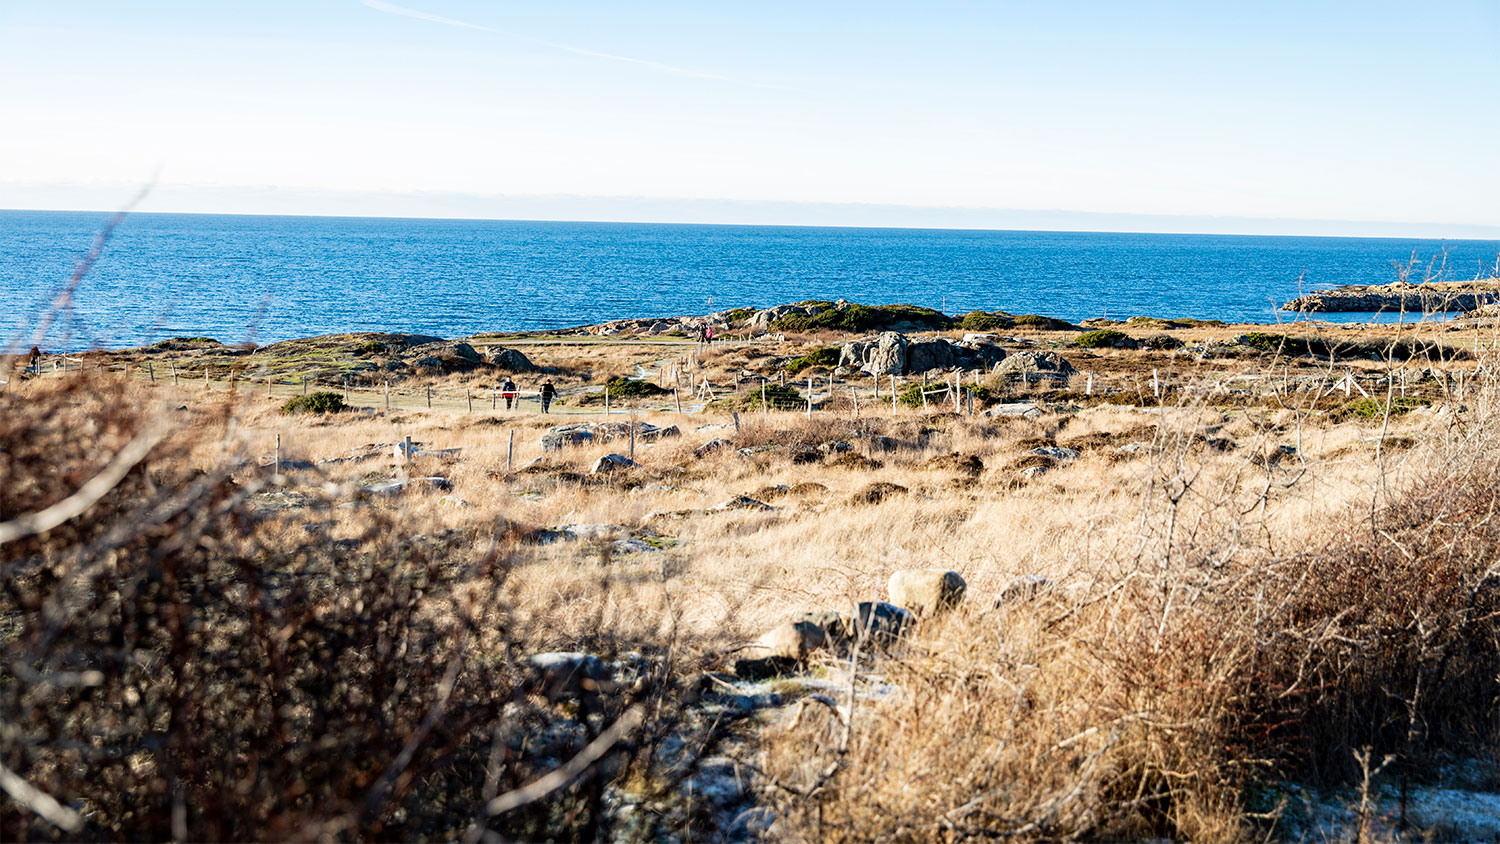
237 278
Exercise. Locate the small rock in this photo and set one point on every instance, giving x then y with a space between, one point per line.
611 462
1061 455
835 447
1033 472
565 674
455 501
634 546
832 623
1023 588
793 640
712 446
878 622
744 502
926 592
1026 410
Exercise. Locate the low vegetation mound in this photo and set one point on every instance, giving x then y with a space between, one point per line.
1401 349
1105 338
319 402
825 358
863 318
632 388
985 321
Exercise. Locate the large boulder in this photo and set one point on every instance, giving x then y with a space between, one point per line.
511 360
926 592
1036 366
924 355
884 355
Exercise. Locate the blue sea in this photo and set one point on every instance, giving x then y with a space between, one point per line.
238 278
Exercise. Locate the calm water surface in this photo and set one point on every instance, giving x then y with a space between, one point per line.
272 278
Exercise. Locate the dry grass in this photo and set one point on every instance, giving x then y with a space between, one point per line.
1246 593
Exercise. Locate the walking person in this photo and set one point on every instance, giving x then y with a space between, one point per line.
548 393
508 391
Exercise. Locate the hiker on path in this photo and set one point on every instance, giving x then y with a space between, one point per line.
32 363
508 390
708 334
548 393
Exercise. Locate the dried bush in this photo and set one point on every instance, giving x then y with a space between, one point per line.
173 666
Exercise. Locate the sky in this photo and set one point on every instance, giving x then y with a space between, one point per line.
1300 117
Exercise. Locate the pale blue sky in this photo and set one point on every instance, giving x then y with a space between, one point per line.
927 113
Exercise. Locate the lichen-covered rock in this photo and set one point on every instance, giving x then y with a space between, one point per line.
1035 366
926 592
886 355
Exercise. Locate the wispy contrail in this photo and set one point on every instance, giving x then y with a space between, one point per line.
392 8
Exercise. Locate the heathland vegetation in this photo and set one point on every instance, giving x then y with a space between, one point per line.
1233 586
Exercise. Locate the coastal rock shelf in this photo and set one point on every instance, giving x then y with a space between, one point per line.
1401 296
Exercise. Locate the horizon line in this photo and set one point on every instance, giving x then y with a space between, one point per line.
1493 235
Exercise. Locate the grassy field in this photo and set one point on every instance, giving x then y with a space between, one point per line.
1267 558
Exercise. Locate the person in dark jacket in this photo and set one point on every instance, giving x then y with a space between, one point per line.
508 392
549 392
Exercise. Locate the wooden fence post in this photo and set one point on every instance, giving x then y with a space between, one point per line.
763 395
151 373
429 396
893 393
388 396
854 401
470 396
278 454
510 450
677 397
606 400
809 397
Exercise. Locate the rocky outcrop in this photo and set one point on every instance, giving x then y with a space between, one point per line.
892 353
1401 296
583 433
926 592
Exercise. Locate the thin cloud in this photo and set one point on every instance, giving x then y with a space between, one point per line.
393 9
